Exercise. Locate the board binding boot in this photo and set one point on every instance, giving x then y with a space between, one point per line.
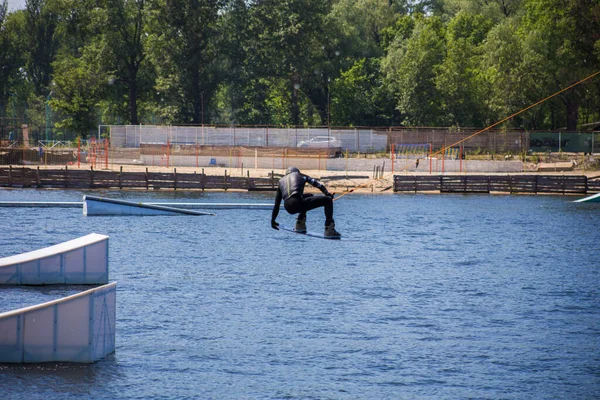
330 231
300 225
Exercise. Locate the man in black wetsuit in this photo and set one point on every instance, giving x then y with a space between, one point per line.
295 201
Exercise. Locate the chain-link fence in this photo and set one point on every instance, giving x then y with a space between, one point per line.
353 140
312 148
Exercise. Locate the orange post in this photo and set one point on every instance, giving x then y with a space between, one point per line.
430 161
168 152
106 146
78 152
443 158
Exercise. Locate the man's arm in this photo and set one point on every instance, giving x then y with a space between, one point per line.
318 185
275 213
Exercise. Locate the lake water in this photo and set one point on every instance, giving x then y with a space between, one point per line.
428 297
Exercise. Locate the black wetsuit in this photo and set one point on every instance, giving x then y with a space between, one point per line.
291 190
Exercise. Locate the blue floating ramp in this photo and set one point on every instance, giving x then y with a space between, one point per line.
590 199
93 205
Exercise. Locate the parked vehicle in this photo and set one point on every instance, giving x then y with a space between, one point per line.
322 142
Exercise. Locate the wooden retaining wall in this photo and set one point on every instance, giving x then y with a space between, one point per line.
66 178
550 184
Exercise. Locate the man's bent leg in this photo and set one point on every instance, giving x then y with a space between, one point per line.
312 202
302 214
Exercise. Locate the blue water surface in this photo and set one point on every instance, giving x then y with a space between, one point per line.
427 297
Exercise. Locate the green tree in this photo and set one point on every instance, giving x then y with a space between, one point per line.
359 98
12 58
125 53
284 35
243 86
363 30
505 72
362 22
495 10
38 43
80 82
42 20
79 76
183 48
411 67
459 80
560 39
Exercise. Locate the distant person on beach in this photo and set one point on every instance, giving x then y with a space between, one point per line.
295 201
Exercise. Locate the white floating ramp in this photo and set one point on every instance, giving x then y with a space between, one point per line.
103 206
79 261
78 328
590 199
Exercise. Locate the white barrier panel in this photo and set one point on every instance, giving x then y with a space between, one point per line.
79 261
78 328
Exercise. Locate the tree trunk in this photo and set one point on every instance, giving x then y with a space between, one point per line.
295 116
133 102
196 98
319 98
572 113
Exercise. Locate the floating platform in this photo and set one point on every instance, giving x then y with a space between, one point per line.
93 205
79 328
590 199
79 261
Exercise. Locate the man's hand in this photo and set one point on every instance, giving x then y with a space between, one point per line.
330 194
274 225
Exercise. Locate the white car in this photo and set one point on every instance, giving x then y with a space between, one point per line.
321 142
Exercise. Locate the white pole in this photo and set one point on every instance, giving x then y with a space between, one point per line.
559 142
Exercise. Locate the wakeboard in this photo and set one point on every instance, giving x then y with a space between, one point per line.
308 233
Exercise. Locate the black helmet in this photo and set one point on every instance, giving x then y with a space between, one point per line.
291 169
